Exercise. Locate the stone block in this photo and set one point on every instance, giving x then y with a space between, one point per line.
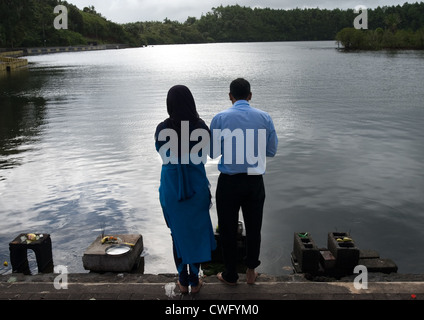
306 252
42 247
328 261
96 259
344 250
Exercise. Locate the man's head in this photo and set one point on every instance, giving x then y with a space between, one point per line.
240 90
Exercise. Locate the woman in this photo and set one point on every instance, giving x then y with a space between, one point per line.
184 188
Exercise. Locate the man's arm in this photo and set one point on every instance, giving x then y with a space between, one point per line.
272 143
215 147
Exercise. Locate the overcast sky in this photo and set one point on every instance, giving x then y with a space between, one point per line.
122 11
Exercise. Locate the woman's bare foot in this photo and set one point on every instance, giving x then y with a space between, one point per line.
183 289
196 289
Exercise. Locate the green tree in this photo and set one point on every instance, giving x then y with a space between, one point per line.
350 38
392 21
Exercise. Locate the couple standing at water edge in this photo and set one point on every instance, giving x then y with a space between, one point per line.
184 140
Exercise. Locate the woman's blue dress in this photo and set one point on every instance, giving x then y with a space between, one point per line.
185 199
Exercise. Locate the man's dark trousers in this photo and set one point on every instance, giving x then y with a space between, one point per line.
232 193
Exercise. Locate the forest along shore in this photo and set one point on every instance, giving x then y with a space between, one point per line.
393 27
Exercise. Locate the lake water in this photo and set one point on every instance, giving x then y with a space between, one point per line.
77 152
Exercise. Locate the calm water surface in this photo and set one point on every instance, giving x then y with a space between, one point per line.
77 152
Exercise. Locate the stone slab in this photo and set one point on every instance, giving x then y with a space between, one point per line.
96 259
379 265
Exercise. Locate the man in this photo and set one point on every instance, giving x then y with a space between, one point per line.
243 136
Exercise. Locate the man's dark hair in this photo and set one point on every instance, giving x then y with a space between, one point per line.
240 89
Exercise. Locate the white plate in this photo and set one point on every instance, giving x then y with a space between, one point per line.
118 249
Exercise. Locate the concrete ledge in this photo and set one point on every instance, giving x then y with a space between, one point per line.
125 286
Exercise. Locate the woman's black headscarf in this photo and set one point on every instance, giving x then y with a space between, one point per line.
181 107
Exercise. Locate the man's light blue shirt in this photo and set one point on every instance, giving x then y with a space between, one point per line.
243 136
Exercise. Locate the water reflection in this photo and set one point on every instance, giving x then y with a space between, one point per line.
77 145
22 114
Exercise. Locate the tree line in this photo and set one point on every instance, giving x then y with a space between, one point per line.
242 24
395 26
353 39
26 23
29 23
398 28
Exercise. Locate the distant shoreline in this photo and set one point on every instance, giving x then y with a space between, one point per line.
47 50
20 52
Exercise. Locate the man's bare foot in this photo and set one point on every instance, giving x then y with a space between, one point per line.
251 276
220 277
